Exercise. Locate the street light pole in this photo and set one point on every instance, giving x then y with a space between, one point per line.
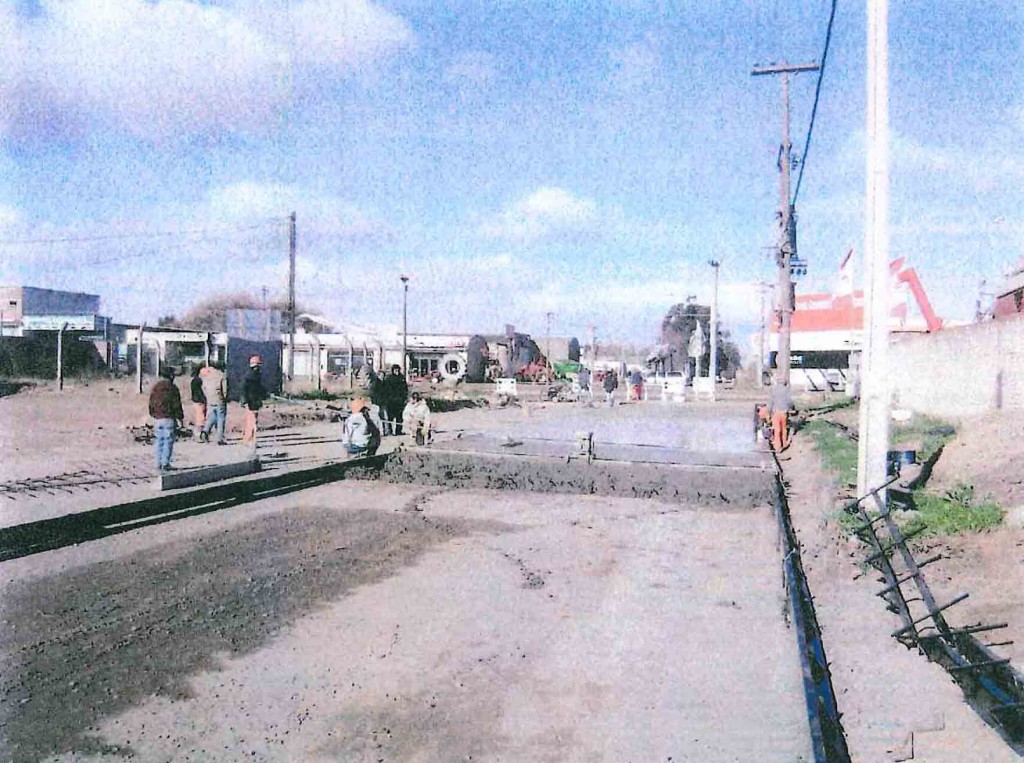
405 325
713 330
873 440
548 350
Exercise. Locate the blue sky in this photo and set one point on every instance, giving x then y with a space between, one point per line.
514 158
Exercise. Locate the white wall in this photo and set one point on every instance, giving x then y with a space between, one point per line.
961 371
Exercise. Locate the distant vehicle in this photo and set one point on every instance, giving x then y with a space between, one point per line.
672 383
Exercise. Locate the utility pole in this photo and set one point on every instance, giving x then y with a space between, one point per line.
405 326
873 440
60 356
138 358
713 330
593 345
762 287
548 351
787 220
291 296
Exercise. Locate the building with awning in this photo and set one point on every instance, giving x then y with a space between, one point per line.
826 328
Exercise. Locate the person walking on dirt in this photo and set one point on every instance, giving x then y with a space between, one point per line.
611 383
584 382
165 408
198 402
215 388
636 382
416 419
359 434
253 395
781 402
394 391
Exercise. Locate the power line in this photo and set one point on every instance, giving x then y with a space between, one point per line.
817 95
152 234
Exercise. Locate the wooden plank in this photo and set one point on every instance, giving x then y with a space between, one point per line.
205 474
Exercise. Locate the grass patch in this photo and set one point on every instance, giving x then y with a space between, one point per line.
315 394
13 387
930 432
838 452
836 405
440 405
956 511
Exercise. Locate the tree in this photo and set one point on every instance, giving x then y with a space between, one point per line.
476 363
574 350
168 321
210 314
680 322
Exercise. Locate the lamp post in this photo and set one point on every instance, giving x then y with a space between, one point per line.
405 325
548 352
713 330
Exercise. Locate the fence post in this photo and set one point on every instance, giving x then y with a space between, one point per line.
138 359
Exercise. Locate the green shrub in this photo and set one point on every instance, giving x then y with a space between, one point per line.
932 434
316 394
954 512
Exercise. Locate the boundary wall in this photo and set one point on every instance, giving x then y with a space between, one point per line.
960 371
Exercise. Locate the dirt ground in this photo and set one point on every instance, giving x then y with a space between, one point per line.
162 592
987 452
373 622
895 704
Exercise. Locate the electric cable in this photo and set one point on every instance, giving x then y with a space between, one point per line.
141 235
817 95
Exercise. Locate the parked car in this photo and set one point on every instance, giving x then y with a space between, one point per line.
672 383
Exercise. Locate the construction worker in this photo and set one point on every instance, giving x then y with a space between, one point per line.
416 419
215 389
359 434
198 402
165 408
394 393
253 395
781 402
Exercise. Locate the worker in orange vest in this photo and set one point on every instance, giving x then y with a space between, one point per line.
781 402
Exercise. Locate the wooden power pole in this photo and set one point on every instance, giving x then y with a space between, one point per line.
787 237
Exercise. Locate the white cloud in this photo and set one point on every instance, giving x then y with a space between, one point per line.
337 33
157 69
9 217
546 214
471 67
317 215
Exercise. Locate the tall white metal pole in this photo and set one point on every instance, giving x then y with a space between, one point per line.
405 325
713 330
873 443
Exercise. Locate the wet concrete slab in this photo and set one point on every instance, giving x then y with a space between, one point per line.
712 429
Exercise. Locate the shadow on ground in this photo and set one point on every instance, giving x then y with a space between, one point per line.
90 643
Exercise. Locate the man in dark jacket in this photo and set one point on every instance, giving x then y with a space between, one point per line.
198 403
610 383
253 395
165 408
395 392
